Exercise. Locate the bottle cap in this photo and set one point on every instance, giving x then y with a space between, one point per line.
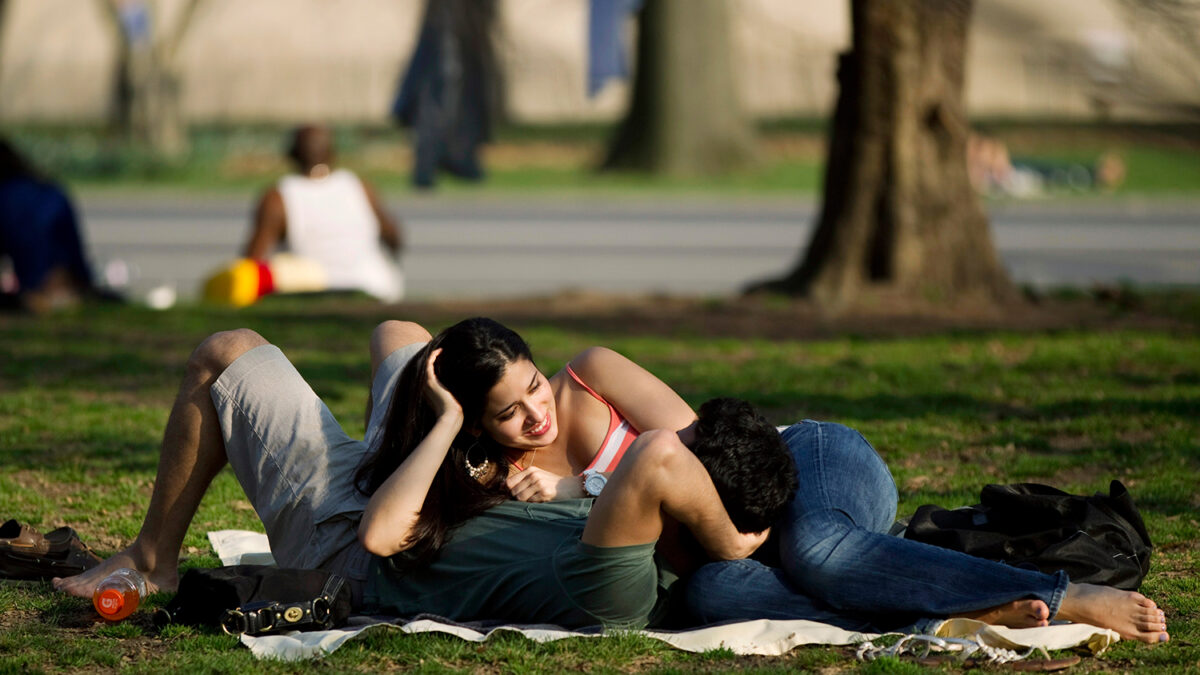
110 601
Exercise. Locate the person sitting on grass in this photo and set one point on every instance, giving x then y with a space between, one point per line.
40 235
455 420
331 217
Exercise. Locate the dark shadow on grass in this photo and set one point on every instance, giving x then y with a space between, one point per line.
109 371
1187 408
98 452
885 407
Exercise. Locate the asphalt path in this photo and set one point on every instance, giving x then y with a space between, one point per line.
464 247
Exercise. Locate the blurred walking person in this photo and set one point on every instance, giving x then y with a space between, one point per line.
450 90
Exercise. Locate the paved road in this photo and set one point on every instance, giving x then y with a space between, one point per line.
471 247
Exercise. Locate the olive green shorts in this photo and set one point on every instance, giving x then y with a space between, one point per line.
615 585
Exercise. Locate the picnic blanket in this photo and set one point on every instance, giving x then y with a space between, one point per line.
763 637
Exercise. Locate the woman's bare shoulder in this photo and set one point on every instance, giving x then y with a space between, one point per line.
600 363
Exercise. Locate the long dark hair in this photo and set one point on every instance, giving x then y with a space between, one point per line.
475 354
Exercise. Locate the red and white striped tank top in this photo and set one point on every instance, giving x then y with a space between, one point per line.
618 439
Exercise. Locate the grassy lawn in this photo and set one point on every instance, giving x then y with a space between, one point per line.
84 397
1160 160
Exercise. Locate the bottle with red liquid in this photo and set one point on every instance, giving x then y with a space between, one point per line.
119 594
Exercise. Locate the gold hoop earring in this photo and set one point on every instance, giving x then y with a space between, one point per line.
476 471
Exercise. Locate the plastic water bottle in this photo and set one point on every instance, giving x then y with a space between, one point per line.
119 594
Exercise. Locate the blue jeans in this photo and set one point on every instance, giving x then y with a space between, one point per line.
839 564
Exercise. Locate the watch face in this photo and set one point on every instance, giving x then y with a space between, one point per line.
594 483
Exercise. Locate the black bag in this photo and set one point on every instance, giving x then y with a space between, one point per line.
1098 540
258 599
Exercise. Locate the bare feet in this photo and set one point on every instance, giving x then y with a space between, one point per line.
1015 614
83 585
1132 615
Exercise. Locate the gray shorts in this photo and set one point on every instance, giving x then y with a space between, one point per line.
295 462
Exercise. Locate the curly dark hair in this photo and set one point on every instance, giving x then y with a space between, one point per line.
747 461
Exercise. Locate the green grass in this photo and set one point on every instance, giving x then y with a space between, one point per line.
1161 160
84 396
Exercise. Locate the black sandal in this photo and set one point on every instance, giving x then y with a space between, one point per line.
27 554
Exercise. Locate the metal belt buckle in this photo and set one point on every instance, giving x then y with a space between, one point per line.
233 622
257 617
322 608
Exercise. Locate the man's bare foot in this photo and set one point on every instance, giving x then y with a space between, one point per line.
83 585
1132 615
1015 614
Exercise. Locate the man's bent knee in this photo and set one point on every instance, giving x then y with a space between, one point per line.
221 349
404 332
654 458
392 335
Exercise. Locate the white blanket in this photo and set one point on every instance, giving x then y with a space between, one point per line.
765 637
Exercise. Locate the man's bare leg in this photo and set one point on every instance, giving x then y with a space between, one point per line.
192 453
659 478
385 339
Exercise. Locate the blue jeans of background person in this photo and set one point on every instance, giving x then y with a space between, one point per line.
839 564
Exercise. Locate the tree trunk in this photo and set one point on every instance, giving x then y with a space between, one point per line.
3 17
684 116
900 217
147 102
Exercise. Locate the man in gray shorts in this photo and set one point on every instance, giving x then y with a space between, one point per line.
242 402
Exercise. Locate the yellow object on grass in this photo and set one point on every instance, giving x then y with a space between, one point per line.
236 284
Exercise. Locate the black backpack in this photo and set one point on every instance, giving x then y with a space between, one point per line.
1098 540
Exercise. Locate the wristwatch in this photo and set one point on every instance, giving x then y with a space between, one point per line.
594 482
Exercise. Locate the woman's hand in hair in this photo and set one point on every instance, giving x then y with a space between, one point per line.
538 485
439 398
391 515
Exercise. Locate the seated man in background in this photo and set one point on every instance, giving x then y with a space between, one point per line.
331 218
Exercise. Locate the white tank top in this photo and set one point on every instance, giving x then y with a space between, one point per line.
330 221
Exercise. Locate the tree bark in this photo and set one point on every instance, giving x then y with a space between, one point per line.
147 101
900 217
3 17
684 116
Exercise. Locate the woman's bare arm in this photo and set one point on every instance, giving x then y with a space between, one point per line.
644 400
392 511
